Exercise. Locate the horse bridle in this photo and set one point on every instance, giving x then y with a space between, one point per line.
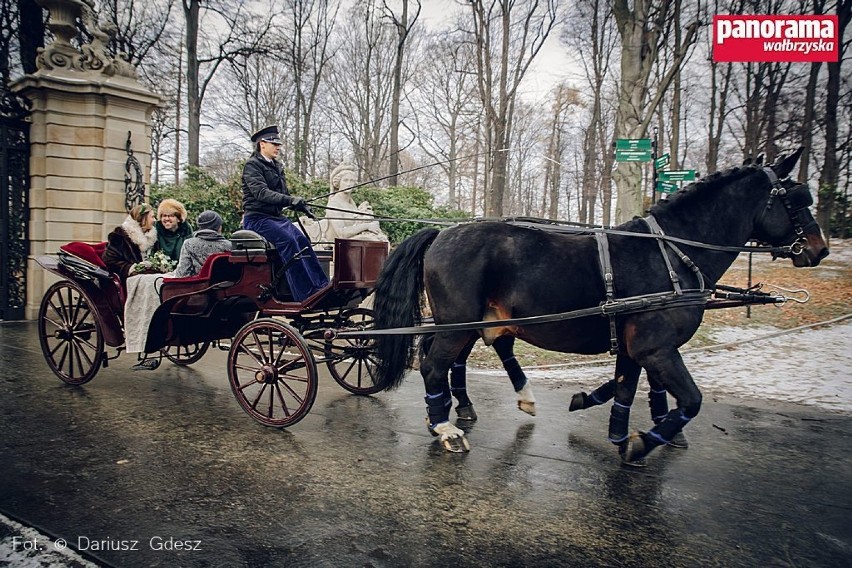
796 201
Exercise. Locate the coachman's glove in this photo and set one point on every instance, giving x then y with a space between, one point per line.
299 204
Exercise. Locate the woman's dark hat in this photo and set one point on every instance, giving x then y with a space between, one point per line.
267 134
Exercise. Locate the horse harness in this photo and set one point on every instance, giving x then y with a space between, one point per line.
796 200
609 278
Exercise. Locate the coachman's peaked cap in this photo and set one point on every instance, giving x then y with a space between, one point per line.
267 134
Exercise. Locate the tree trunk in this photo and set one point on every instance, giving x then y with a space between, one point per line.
402 30
193 98
674 148
829 174
719 96
806 130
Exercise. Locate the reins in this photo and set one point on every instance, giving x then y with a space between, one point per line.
729 295
724 296
562 227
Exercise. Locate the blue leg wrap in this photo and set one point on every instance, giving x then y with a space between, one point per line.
665 430
458 384
438 407
619 420
602 394
659 403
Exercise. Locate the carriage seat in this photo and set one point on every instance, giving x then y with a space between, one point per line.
204 274
248 246
84 259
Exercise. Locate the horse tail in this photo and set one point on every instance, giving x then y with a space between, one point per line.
398 296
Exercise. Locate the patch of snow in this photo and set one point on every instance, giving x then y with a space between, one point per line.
25 547
811 367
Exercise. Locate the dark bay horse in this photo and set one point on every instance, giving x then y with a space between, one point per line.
495 271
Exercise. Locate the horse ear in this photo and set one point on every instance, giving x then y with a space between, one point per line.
747 161
759 160
784 165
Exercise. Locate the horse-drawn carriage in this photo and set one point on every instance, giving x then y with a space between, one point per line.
638 290
239 302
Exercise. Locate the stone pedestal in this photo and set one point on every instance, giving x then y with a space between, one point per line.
78 137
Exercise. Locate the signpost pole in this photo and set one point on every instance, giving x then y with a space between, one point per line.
654 156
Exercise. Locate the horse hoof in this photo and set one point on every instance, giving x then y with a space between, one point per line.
429 427
633 450
679 441
466 413
456 445
578 402
528 407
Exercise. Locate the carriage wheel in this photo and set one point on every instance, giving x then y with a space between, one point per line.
272 373
353 363
70 335
186 354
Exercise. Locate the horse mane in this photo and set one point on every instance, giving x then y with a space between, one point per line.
705 185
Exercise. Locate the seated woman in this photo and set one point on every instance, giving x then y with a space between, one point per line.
131 242
205 241
172 227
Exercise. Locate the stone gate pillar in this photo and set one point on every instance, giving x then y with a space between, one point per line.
85 104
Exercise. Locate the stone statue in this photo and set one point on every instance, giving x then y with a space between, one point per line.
344 219
92 56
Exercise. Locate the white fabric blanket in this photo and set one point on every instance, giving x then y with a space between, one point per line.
143 298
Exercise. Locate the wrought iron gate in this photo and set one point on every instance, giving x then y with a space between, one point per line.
14 205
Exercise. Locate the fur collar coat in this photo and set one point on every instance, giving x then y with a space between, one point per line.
127 245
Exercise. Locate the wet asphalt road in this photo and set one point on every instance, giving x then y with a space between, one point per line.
139 458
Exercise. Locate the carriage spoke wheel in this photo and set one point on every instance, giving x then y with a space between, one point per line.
186 354
353 361
70 335
272 373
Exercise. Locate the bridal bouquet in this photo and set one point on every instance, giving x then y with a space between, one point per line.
157 262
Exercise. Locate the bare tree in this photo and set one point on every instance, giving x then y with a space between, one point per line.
310 29
828 176
565 98
507 36
256 91
718 108
403 25
360 87
590 33
244 33
447 116
642 31
137 26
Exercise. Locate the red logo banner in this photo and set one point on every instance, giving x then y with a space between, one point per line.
775 38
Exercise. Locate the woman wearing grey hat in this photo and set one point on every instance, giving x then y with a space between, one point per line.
205 241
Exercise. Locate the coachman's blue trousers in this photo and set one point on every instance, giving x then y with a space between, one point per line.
304 276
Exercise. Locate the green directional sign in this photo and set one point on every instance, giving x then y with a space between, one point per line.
632 155
633 144
666 187
677 175
662 162
633 150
